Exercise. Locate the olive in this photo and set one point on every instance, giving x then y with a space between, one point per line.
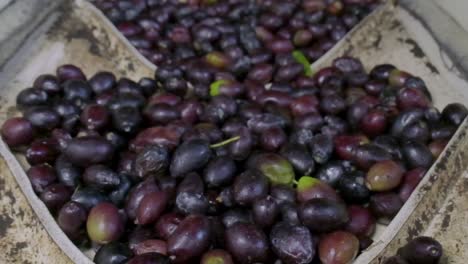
417 154
112 253
323 215
422 250
455 113
85 151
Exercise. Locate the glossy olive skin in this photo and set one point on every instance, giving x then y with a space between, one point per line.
136 195
101 177
17 131
190 156
48 83
88 197
309 188
353 189
321 148
384 175
455 113
95 117
112 253
292 243
55 196
167 224
71 218
436 147
89 150
422 250
230 217
417 154
190 239
118 195
242 148
219 171
440 130
411 180
190 197
330 173
265 211
249 187
264 121
283 194
300 159
390 144
42 117
361 221
42 151
31 97
338 247
151 207
41 176
323 215
102 82
418 131
247 243
126 119
165 136
367 155
386 204
104 224
191 202
69 72
404 119
151 246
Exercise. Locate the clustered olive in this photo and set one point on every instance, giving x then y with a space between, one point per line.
296 171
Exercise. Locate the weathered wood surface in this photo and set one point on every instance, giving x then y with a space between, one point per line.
23 239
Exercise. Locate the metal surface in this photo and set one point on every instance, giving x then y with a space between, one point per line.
80 35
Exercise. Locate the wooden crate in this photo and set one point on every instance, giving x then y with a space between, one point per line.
78 33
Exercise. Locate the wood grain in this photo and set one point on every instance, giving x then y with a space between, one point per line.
23 239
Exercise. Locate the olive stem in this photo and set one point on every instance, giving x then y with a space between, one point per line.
225 142
295 182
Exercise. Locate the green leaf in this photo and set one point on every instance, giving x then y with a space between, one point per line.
215 86
301 58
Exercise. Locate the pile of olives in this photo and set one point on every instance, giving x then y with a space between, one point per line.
295 171
243 33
